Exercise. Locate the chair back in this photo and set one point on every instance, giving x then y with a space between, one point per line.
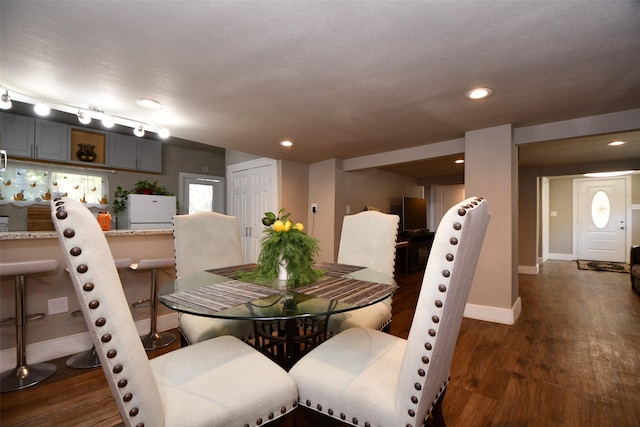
445 288
205 240
106 312
368 239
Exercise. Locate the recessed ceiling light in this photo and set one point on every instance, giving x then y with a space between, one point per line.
615 143
459 161
479 93
287 144
149 103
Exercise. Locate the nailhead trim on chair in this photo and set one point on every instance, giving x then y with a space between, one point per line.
436 318
61 214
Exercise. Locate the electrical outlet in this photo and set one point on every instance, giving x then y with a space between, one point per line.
58 305
314 207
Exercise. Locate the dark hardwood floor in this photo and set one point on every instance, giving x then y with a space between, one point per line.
571 359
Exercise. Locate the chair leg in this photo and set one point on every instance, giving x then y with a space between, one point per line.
437 416
155 339
23 375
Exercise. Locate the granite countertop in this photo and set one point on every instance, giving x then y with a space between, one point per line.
26 235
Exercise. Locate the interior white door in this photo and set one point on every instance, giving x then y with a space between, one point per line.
252 192
601 234
445 196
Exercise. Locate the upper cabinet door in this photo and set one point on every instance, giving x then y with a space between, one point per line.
51 140
122 151
149 155
17 134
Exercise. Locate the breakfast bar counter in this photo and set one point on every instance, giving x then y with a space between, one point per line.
57 335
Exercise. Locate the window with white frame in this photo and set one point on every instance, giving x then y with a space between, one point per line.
27 183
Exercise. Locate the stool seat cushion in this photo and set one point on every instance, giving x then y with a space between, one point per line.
27 267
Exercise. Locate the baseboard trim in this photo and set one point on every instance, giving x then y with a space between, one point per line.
71 344
532 270
561 257
494 314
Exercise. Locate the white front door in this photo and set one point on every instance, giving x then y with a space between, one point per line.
601 230
252 192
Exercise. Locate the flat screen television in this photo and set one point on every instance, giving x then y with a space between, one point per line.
414 214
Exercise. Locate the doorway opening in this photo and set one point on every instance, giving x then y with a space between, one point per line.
201 193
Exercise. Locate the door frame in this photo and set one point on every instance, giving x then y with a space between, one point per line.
627 211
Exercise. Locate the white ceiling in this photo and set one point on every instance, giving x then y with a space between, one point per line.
340 79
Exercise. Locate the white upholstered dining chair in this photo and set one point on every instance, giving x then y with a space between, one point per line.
219 382
202 241
373 378
368 239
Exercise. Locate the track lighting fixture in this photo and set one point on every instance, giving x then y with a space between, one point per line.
83 117
41 109
5 100
107 121
139 131
85 114
163 133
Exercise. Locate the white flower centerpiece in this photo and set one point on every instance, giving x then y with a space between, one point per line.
287 253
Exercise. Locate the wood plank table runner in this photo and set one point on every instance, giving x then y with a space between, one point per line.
220 296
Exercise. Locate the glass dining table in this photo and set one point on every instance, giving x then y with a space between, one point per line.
288 321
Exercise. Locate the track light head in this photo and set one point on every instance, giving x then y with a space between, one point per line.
5 100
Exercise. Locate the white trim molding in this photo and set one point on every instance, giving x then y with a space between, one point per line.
529 269
494 314
44 351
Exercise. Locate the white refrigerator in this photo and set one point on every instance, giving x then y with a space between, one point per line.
149 211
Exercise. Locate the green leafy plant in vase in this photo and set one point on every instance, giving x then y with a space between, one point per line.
287 249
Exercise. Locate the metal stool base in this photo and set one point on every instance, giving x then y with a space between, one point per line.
156 340
84 360
26 376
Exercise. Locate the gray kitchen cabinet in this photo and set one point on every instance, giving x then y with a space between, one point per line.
129 152
122 151
149 155
51 140
18 134
34 138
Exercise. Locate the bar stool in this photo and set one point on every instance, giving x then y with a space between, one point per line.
154 339
24 375
89 358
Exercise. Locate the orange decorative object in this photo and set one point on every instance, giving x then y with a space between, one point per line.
104 219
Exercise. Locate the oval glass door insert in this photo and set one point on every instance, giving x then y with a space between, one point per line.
600 209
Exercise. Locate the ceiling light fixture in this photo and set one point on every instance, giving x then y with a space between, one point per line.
479 93
139 131
163 133
41 109
83 117
5 100
616 143
107 121
286 144
459 161
149 103
85 114
607 174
